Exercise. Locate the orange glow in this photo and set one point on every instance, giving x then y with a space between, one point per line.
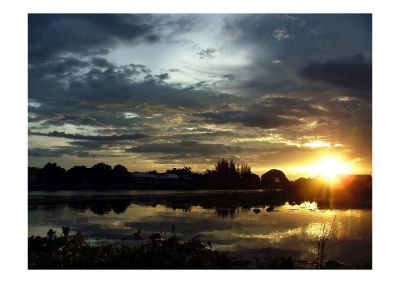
330 168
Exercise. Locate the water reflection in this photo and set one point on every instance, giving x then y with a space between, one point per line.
102 207
285 229
226 212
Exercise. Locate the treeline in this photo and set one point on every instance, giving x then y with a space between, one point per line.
53 176
225 175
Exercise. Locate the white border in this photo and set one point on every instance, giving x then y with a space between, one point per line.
13 141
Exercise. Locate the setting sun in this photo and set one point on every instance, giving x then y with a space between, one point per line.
330 167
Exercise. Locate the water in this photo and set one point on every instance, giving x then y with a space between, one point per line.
287 230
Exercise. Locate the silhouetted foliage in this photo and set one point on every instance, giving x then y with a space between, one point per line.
185 171
101 173
227 175
73 252
53 174
78 175
120 175
274 179
247 178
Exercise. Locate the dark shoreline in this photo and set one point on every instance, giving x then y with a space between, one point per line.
205 199
37 200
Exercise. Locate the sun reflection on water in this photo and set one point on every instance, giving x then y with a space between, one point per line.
303 206
274 237
314 230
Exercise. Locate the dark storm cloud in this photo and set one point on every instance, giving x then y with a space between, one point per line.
248 118
162 76
268 113
207 53
153 38
83 148
91 138
351 72
201 136
304 36
96 146
102 92
186 149
64 151
110 85
60 152
58 67
282 44
101 63
51 35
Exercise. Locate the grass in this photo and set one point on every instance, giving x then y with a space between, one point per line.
323 247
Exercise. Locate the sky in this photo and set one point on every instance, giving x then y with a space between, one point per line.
158 91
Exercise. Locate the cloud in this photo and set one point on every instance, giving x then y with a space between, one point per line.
203 136
186 149
47 152
207 53
249 118
52 35
59 67
281 34
163 76
91 138
74 151
351 72
100 92
101 62
313 38
152 38
268 113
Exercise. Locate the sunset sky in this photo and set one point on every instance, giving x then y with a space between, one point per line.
163 91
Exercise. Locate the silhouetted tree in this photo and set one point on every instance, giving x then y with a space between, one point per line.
120 174
247 178
274 179
53 174
245 170
35 177
225 175
78 175
185 171
101 173
223 167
